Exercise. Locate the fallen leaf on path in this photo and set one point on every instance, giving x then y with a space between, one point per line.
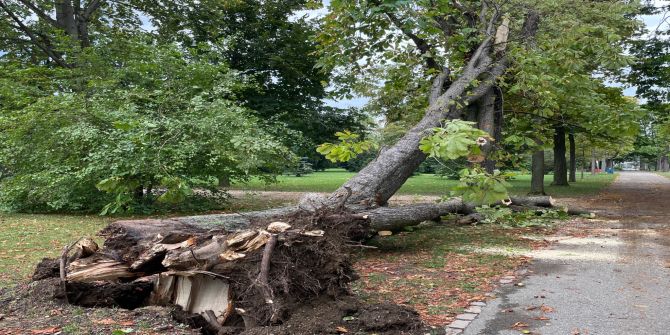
541 318
342 330
105 322
45 331
519 325
546 309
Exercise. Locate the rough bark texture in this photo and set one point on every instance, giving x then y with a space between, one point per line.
537 171
573 158
486 122
560 164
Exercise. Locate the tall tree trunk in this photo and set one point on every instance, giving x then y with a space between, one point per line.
138 194
66 19
537 173
573 157
665 164
583 162
560 165
486 122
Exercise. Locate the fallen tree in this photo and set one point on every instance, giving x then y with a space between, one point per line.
233 272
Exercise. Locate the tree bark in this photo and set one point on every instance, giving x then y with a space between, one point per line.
560 165
573 158
537 173
486 122
66 19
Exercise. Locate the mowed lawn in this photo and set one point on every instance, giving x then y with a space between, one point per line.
26 238
425 184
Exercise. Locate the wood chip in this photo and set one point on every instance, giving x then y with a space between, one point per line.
314 233
231 255
236 241
278 227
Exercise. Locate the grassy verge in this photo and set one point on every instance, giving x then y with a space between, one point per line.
439 270
425 184
26 238
664 174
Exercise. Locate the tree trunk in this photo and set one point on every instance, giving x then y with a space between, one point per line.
66 19
583 163
486 122
560 165
665 164
138 194
573 158
537 171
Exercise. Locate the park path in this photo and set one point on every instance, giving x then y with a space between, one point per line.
608 276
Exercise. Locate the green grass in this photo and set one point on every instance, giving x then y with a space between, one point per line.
424 184
664 174
26 238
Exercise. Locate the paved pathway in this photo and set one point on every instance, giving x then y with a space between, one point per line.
616 280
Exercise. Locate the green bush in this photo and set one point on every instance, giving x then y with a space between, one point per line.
133 117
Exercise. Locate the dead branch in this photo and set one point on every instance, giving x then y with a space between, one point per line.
264 274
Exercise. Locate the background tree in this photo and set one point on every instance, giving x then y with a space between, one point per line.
172 123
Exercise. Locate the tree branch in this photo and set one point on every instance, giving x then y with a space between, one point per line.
438 86
90 8
50 53
40 13
422 45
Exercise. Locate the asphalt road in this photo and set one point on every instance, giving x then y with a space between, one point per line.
615 279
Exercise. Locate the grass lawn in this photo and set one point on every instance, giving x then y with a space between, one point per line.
664 174
26 238
424 184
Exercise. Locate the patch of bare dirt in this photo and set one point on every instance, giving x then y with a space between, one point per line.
38 308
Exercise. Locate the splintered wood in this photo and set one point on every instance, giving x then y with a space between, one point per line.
181 265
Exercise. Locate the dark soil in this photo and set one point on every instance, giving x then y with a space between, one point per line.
349 315
39 308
